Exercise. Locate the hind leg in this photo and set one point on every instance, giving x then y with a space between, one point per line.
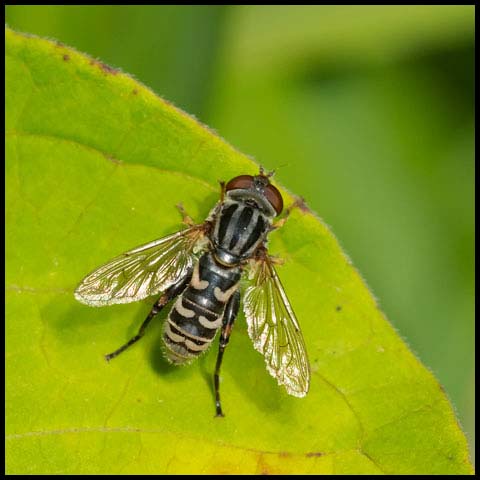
171 293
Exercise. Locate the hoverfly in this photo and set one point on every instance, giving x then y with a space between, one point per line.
201 266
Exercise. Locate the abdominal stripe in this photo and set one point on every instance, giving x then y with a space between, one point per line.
199 307
184 312
204 322
179 332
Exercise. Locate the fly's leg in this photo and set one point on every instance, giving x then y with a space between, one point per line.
298 203
172 292
186 218
229 317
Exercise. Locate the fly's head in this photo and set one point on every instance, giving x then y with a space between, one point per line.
256 191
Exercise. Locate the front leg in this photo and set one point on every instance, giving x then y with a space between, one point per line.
231 311
298 203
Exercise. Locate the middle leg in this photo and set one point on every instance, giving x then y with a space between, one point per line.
172 292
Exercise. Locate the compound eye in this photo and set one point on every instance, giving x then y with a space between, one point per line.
274 198
242 181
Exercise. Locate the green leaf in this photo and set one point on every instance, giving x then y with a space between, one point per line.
95 164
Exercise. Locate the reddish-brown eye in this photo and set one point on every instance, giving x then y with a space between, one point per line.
274 197
242 181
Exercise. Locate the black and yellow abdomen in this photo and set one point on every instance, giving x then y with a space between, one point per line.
198 312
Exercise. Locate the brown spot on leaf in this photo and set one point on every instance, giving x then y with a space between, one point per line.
135 91
339 307
170 104
302 205
313 454
262 467
106 68
110 157
66 58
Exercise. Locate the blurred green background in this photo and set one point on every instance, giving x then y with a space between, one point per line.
366 111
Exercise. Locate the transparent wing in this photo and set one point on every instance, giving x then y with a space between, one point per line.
274 330
143 271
